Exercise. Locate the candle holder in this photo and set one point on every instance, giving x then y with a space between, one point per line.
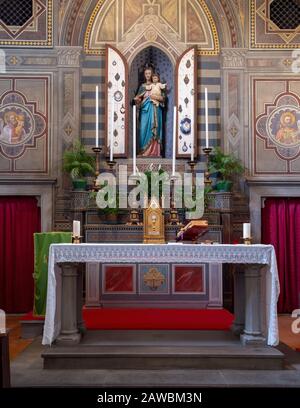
76 239
192 164
111 164
174 216
134 218
247 241
97 151
207 181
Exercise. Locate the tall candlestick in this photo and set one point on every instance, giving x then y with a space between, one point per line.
134 139
97 116
76 228
246 230
206 119
111 155
174 141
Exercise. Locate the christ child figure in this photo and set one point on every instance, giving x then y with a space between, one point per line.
155 88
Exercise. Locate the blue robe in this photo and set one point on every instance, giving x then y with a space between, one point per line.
150 118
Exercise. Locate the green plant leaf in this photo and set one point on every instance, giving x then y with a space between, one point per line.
77 162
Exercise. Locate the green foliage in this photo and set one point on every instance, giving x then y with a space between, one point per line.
111 209
226 165
108 209
148 174
77 162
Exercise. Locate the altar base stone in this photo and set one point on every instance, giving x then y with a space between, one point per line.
253 319
239 302
162 349
69 333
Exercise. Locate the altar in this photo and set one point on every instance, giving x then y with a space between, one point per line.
256 294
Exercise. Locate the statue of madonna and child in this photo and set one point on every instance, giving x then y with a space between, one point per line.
150 99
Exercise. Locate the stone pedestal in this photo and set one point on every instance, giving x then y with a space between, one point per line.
80 321
253 320
239 301
69 333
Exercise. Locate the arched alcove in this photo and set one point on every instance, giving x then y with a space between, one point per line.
163 65
125 24
79 16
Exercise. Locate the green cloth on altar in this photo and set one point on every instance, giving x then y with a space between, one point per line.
42 242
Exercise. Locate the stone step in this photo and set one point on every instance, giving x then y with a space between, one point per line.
162 350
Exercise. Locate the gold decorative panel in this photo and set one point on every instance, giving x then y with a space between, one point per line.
172 24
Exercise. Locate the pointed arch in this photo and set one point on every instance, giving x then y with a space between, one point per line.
228 21
151 25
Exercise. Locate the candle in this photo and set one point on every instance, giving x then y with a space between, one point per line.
246 230
192 150
174 141
76 228
206 119
97 116
134 139
111 155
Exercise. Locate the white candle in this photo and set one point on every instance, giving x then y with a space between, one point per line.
174 141
76 228
246 230
192 149
206 119
111 153
97 116
134 139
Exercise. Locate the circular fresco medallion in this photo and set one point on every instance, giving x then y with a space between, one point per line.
283 126
16 125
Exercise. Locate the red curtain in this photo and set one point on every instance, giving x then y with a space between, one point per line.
19 219
281 228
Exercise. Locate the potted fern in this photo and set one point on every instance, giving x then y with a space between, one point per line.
225 167
78 163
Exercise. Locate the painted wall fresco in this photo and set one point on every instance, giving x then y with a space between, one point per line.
276 108
24 114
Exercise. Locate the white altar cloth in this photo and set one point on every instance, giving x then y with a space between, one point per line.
177 253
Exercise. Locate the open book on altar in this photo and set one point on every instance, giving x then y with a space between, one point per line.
192 231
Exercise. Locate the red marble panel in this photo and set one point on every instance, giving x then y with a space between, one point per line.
188 278
119 278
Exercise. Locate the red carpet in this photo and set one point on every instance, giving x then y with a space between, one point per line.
157 319
30 316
